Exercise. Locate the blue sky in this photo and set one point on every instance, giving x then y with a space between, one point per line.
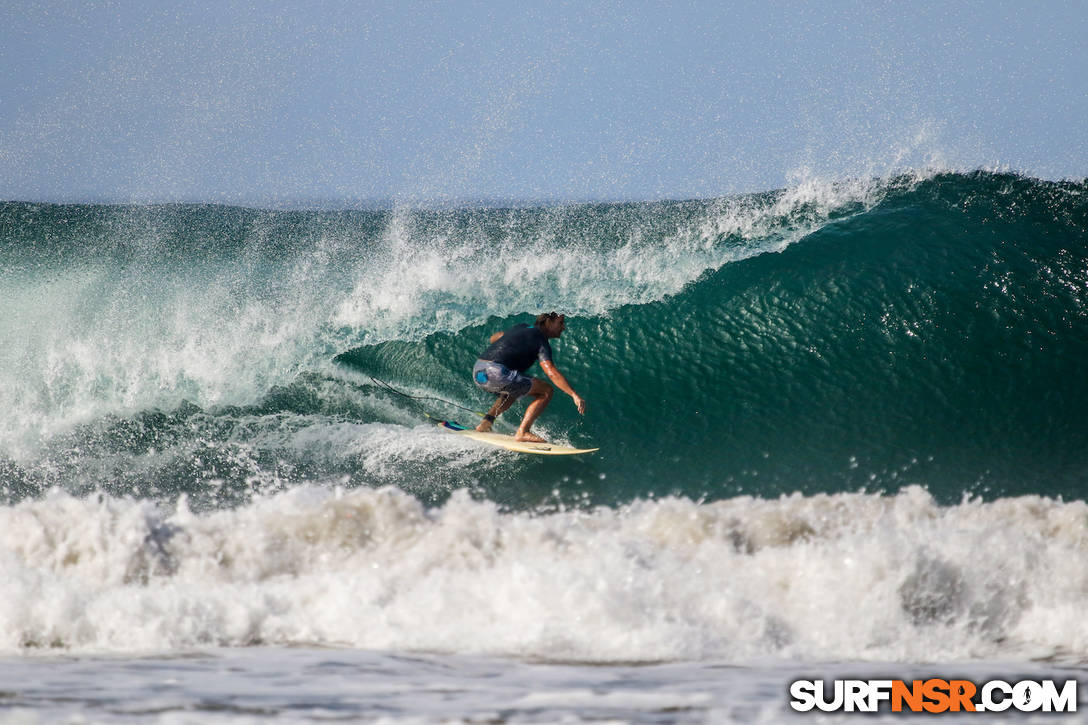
275 103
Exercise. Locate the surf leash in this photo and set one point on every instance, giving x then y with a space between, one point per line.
389 388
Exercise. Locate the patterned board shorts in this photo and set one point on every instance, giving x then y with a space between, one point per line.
496 378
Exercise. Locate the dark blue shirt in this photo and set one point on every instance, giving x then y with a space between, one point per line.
519 347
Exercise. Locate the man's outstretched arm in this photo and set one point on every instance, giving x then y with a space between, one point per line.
561 382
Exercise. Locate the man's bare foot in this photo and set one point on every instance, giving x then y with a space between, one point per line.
529 438
484 427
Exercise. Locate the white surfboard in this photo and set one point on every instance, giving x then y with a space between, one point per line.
508 442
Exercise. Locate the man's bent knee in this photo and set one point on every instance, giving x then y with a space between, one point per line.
542 389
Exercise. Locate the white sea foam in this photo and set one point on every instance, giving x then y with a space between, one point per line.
829 577
314 684
85 343
433 276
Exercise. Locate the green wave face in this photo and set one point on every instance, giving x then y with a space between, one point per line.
910 331
936 338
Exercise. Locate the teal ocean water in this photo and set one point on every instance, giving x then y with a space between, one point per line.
835 337
863 396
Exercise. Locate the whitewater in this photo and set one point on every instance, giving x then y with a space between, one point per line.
842 430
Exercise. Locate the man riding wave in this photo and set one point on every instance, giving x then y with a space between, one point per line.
501 370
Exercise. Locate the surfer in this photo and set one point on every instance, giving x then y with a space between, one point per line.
501 370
